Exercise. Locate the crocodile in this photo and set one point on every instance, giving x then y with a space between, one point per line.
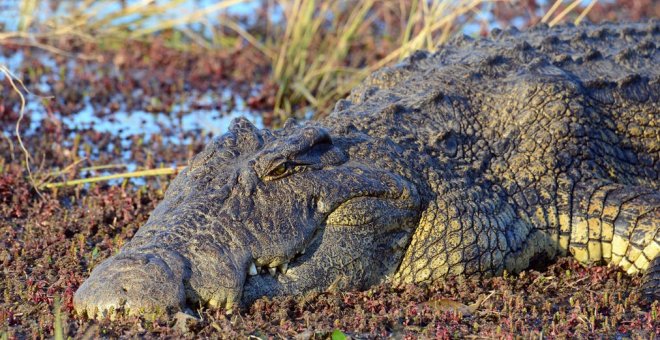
490 155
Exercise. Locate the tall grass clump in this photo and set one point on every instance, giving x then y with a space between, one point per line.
312 64
311 59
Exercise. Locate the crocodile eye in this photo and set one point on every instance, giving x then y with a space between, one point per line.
279 171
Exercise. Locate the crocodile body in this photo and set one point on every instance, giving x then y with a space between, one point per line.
490 155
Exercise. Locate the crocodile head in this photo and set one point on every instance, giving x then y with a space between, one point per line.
261 213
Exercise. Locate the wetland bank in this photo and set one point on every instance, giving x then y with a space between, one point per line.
140 105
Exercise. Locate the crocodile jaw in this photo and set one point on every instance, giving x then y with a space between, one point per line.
145 283
361 242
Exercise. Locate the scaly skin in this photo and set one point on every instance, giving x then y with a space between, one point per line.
489 155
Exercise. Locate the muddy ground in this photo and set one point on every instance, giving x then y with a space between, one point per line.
51 239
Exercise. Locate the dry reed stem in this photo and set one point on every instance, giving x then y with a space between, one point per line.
140 173
586 11
563 13
10 77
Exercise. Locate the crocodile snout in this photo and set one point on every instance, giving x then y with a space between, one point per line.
132 284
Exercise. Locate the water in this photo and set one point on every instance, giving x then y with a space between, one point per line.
204 121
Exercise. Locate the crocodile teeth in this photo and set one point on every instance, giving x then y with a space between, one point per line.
302 251
253 269
283 267
272 271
